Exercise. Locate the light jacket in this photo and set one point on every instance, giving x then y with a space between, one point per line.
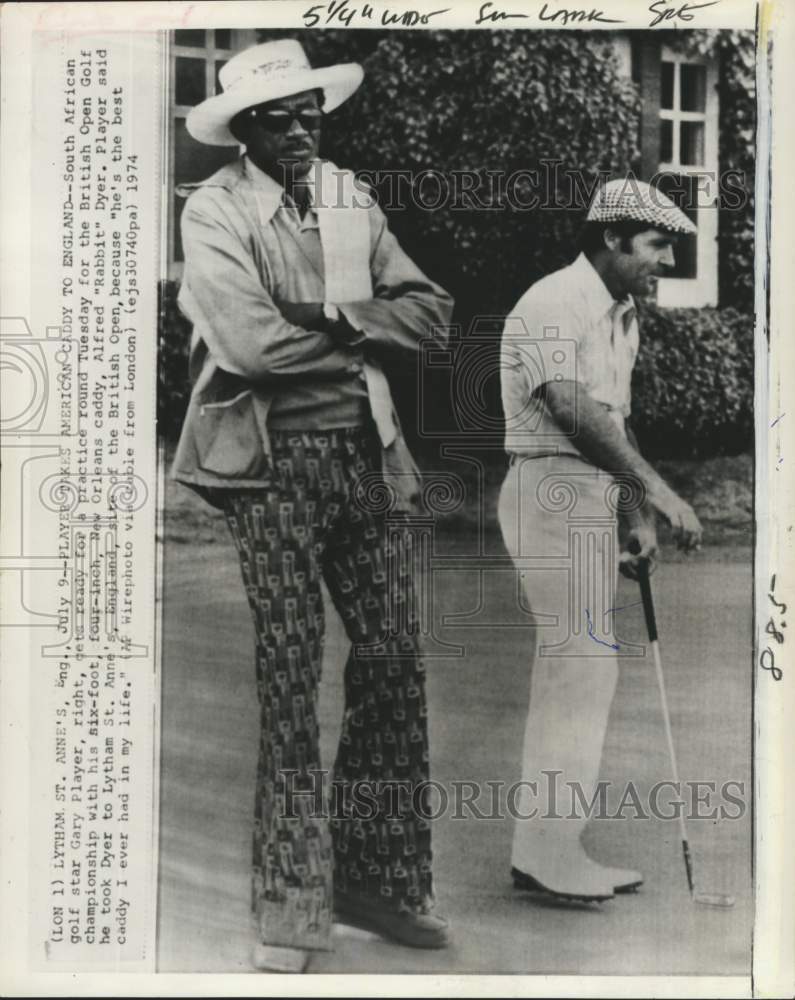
243 350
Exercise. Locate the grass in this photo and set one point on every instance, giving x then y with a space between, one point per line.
477 709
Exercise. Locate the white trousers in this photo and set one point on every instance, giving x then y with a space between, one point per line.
559 526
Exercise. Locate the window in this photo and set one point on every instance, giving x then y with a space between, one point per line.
688 122
683 113
197 56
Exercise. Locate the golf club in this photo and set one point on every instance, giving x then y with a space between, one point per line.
702 898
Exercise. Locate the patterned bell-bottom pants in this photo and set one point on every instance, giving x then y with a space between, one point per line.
366 831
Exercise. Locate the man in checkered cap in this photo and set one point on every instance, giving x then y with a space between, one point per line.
576 484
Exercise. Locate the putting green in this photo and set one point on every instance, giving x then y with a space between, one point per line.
477 712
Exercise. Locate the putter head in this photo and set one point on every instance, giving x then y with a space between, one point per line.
715 899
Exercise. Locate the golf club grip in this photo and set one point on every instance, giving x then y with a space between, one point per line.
688 865
648 603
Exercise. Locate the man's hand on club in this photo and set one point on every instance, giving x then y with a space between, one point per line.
682 518
639 546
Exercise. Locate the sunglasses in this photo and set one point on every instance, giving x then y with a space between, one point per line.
280 122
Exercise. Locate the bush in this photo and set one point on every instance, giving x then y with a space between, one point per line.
693 383
173 345
520 100
554 102
692 387
737 144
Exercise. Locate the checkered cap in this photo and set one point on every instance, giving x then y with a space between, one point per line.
629 199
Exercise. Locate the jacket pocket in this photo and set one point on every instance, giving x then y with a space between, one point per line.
400 472
228 440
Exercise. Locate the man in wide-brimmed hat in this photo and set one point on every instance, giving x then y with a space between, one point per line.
568 350
301 302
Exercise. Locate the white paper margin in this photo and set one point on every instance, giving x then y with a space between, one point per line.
774 935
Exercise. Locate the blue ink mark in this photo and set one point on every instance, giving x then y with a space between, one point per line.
777 419
595 638
624 607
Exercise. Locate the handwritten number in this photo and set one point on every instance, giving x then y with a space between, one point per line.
771 629
767 661
310 17
782 607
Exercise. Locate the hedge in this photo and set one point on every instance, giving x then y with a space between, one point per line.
692 385
514 100
173 346
505 102
693 382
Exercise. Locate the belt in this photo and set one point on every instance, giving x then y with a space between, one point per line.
525 456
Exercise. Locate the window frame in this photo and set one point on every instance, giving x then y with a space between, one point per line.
701 290
241 38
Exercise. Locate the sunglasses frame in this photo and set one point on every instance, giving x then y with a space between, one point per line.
283 115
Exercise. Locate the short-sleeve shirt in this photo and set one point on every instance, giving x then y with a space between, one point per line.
566 326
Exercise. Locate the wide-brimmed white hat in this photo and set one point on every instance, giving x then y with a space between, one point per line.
265 73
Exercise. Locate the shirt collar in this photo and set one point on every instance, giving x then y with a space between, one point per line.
597 296
270 194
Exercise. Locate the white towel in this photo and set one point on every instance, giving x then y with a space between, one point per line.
345 238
